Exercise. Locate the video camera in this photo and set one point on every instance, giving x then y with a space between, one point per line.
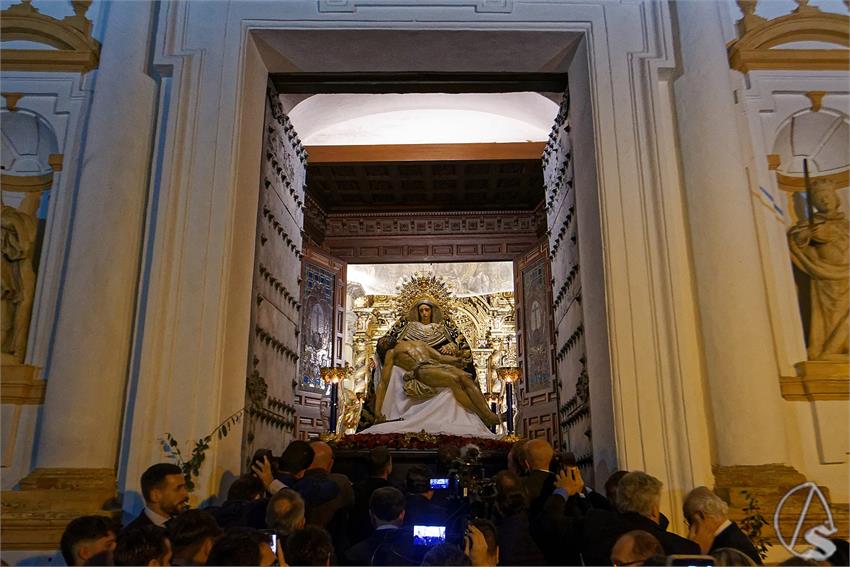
467 481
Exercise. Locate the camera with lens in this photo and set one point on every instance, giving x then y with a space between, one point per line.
468 482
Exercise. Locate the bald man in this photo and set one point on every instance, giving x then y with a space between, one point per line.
315 487
635 547
540 481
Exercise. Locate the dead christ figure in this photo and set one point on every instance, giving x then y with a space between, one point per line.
426 369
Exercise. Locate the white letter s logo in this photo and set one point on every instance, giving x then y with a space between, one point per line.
822 547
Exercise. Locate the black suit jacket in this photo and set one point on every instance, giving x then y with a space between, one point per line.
240 513
140 520
733 537
560 531
385 547
539 486
516 546
287 479
672 543
361 523
564 533
420 511
331 513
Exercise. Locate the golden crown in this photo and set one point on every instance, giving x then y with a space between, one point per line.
420 287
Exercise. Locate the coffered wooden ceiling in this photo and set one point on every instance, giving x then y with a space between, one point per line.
432 186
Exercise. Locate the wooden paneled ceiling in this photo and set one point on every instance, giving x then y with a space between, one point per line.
426 179
427 186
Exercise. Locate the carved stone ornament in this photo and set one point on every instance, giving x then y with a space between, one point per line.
74 48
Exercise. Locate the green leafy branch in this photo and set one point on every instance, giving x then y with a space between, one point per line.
753 522
192 467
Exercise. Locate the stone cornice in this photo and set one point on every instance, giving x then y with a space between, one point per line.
19 385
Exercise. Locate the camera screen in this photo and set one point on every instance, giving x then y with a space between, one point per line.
429 535
439 483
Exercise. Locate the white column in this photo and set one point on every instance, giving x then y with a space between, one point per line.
88 369
740 361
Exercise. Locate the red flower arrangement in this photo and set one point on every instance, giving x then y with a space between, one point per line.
421 440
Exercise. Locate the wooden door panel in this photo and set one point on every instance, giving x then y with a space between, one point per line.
323 324
275 319
537 392
574 412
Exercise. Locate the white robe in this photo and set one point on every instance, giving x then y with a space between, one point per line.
440 414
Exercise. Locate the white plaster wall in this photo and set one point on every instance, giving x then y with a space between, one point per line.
62 101
94 325
819 431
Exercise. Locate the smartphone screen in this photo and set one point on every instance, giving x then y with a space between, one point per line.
438 483
429 535
272 541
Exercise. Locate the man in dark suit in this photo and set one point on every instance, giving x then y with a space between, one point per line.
389 544
419 508
380 467
291 466
595 533
516 546
540 481
639 501
708 517
315 487
165 493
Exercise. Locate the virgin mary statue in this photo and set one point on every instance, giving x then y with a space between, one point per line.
427 379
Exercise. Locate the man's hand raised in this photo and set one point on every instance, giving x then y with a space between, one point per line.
570 480
263 471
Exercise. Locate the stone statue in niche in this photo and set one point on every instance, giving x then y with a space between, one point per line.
18 280
819 247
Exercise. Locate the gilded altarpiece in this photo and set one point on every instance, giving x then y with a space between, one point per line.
487 321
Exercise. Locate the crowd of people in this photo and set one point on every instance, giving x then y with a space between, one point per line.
293 510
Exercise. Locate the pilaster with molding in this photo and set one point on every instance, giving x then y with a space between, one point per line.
35 516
